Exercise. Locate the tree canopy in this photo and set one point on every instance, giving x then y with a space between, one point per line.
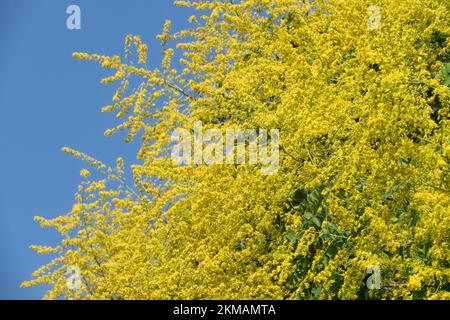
364 168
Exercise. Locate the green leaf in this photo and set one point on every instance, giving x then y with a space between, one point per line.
314 197
117 296
404 161
444 74
316 221
316 291
291 236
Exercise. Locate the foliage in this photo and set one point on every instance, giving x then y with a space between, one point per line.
364 168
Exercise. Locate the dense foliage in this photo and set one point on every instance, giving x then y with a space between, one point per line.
364 176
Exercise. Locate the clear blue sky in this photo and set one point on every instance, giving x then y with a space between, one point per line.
49 100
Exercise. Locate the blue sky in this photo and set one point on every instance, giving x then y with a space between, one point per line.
49 100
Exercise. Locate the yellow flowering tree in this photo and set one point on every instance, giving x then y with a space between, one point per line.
362 106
